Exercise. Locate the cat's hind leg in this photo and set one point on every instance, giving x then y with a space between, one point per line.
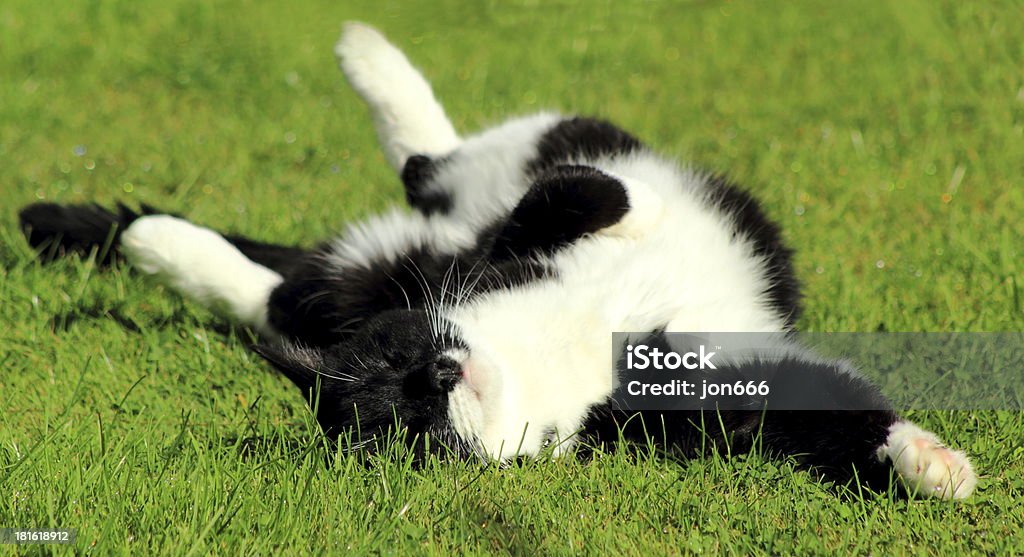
874 443
859 435
408 118
925 465
821 412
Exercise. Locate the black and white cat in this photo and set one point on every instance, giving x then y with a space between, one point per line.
483 316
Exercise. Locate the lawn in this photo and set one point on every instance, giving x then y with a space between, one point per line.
887 138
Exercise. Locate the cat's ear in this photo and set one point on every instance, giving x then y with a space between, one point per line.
299 363
561 206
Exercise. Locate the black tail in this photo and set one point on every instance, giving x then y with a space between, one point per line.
59 230
272 256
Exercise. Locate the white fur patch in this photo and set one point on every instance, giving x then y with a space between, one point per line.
393 234
925 466
201 265
552 352
485 175
485 178
408 118
645 210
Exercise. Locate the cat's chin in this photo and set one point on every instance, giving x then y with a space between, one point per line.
476 403
466 413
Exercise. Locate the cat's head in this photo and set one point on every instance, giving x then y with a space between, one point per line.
400 367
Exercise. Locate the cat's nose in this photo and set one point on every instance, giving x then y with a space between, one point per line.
443 373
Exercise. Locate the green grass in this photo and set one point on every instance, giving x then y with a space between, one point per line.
888 139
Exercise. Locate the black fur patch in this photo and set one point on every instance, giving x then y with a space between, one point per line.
322 305
280 258
751 222
393 368
562 205
579 138
59 230
417 174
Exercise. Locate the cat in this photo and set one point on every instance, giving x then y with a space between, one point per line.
482 315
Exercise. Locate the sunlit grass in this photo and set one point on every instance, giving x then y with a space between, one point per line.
886 138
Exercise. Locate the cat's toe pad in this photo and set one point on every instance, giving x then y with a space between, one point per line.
925 466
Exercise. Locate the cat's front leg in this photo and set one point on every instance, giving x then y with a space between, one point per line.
203 266
572 201
229 273
408 118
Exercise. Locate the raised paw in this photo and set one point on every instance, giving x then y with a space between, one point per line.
408 118
925 466
380 73
360 47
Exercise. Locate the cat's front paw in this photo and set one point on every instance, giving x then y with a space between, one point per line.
925 466
644 214
357 37
153 244
371 64
188 257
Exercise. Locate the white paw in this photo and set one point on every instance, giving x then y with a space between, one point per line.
645 210
153 244
368 60
200 264
925 466
358 38
408 118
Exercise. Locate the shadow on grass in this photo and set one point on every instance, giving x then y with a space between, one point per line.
63 322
